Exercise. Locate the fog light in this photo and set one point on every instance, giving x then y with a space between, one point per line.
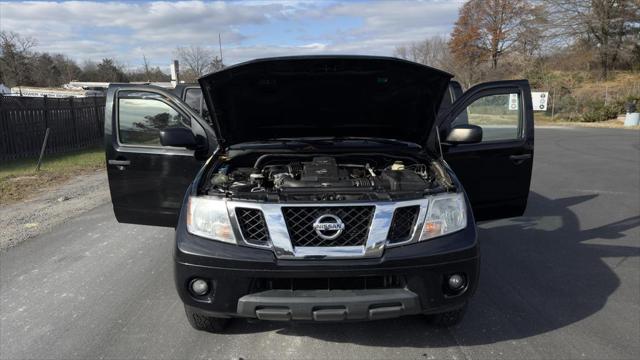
199 287
456 282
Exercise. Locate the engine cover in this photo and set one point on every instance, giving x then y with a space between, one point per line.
322 170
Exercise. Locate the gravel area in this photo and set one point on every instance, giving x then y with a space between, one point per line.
51 207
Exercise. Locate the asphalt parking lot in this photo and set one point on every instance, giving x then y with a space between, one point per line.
561 282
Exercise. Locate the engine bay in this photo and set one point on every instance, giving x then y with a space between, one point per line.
291 177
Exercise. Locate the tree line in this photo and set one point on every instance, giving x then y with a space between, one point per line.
491 39
497 39
21 65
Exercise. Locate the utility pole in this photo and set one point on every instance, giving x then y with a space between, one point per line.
553 103
220 46
175 73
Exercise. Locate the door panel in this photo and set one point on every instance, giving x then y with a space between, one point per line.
495 172
147 180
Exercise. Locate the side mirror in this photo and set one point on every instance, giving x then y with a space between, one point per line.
178 137
464 134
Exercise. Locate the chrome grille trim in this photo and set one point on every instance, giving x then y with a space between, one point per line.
281 243
357 220
252 225
403 223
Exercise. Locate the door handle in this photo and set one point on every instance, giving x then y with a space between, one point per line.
519 159
120 162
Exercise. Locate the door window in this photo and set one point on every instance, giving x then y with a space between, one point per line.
142 115
193 98
497 115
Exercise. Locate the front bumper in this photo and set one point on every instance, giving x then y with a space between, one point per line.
329 305
233 273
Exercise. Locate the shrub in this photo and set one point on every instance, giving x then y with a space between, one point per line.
624 103
598 111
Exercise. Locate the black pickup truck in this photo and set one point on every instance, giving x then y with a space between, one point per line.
324 188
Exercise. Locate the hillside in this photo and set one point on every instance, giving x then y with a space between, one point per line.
579 96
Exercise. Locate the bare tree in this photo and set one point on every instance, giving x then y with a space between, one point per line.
195 58
216 64
198 61
108 70
532 34
147 73
610 26
69 69
15 57
433 51
146 68
46 70
402 52
499 22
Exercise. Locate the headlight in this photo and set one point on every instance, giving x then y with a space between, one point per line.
447 214
209 218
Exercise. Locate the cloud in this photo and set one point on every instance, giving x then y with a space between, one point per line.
382 26
391 23
250 29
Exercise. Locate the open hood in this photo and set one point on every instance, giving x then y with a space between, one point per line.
312 96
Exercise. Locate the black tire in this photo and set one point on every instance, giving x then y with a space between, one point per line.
448 318
206 323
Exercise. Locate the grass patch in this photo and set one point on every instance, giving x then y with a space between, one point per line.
19 180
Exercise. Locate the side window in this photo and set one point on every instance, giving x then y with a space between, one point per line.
142 115
447 100
497 115
193 98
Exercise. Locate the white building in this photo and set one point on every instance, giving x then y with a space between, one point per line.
4 90
33 91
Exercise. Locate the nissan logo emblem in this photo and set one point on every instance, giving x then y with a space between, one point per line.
328 227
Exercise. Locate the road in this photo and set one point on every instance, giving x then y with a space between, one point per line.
561 282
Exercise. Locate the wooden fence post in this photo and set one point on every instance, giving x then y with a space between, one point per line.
42 150
75 125
45 109
4 132
95 109
45 112
45 115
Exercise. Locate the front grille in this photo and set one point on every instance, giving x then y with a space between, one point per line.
404 220
252 225
356 219
334 283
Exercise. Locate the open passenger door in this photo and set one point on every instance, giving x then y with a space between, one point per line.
496 170
155 144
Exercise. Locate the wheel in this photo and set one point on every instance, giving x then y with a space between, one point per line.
448 318
206 323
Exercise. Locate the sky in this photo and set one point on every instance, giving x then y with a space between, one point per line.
127 30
